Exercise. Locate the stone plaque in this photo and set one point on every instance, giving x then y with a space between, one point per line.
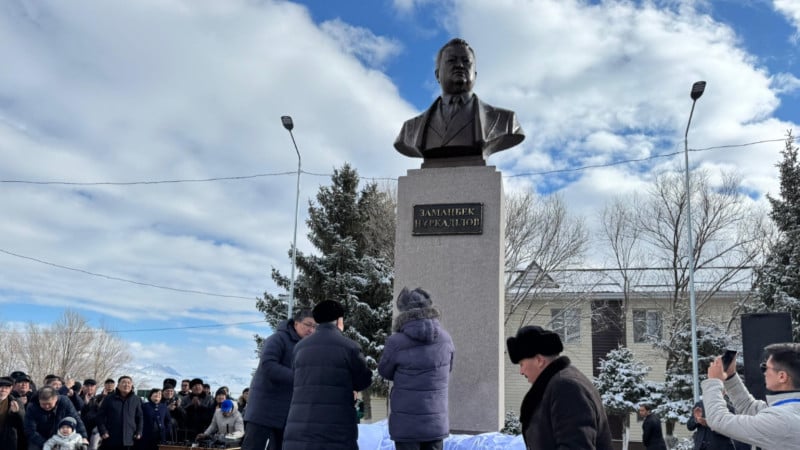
448 218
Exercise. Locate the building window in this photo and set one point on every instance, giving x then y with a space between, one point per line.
646 325
567 323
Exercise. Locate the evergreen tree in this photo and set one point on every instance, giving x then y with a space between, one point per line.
622 385
673 398
352 265
778 283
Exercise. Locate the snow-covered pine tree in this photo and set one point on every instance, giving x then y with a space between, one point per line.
622 385
673 398
778 282
348 267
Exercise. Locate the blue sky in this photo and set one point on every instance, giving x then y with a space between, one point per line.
98 91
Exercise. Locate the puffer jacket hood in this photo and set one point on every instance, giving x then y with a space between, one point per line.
406 318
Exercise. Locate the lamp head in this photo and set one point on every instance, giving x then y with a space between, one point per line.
697 90
288 124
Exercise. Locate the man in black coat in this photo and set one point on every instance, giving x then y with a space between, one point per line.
120 418
198 410
271 388
705 438
43 415
652 437
562 409
328 371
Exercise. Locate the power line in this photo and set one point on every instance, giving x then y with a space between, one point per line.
316 174
219 325
144 330
109 277
129 183
625 161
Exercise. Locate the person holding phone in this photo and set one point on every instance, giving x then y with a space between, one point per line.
704 437
770 424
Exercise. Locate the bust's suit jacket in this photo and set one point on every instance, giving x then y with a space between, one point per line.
494 129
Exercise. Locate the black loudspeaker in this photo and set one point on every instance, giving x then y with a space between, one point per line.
759 331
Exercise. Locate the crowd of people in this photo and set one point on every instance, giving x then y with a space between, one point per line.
304 392
73 415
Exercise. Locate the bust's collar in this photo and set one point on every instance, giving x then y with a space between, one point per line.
465 97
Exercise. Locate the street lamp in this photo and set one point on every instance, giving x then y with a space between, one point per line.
288 124
697 91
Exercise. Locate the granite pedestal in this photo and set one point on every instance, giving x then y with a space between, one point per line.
463 274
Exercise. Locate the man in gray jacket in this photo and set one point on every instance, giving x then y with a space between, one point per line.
774 424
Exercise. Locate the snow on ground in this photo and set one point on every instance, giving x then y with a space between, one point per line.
376 437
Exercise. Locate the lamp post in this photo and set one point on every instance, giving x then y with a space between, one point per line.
289 125
697 91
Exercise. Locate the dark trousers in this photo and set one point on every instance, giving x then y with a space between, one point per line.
430 445
259 437
275 439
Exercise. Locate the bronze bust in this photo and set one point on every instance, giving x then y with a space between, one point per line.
458 128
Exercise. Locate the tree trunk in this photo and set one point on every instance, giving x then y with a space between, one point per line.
367 399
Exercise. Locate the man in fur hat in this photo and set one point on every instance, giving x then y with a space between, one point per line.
328 370
562 409
418 358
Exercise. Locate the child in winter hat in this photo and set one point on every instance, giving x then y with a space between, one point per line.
66 438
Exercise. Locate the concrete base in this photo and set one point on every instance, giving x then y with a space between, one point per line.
463 274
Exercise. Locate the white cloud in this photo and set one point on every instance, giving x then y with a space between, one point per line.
791 10
785 83
361 42
408 7
575 72
163 91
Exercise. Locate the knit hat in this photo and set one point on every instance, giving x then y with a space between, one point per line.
327 311
226 405
68 421
533 340
416 299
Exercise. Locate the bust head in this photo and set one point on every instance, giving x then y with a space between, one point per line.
455 67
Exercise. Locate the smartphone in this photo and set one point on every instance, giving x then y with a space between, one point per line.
727 359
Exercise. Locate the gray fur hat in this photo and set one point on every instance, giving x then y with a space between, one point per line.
416 299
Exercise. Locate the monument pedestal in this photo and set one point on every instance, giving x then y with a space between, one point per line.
464 275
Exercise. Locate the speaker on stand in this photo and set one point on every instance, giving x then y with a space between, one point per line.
759 331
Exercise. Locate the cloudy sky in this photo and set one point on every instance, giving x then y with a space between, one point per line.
112 111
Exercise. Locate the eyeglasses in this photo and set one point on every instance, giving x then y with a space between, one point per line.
310 326
764 368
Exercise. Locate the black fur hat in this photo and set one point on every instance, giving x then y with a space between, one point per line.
170 383
533 340
416 299
327 311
